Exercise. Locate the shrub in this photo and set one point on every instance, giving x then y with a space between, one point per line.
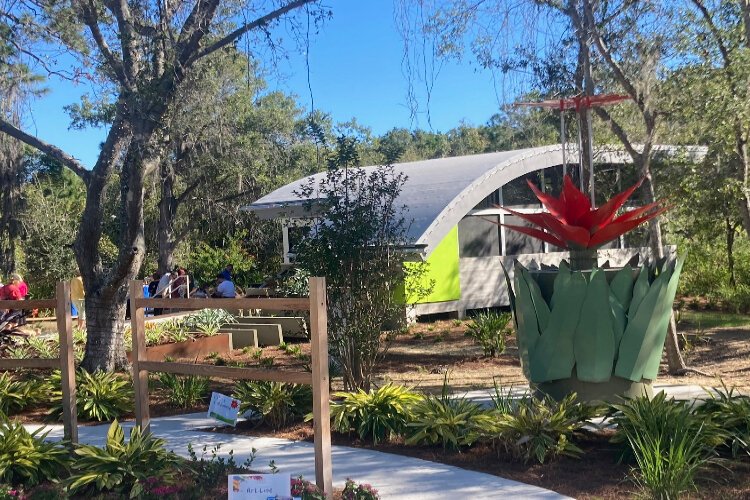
536 429
208 471
301 488
354 491
119 466
101 396
176 331
378 414
209 321
447 420
489 329
44 347
15 395
277 403
184 391
670 443
732 412
26 457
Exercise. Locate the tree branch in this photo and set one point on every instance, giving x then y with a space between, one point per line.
618 131
231 37
127 40
194 29
52 151
606 53
89 15
714 32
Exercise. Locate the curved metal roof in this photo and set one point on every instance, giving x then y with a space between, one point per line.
437 193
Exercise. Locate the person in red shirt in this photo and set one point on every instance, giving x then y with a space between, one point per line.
22 286
11 291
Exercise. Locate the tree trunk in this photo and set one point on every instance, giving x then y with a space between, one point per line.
105 325
11 166
730 253
167 208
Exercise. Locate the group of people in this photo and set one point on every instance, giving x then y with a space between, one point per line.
176 284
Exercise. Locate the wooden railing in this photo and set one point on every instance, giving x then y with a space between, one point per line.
66 360
318 379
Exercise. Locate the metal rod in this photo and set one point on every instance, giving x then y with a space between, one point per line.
562 141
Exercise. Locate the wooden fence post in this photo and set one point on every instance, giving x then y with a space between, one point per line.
67 361
320 382
138 354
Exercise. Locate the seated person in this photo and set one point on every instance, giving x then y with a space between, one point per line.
224 287
11 291
200 292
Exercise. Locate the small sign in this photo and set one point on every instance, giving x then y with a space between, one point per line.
223 408
260 487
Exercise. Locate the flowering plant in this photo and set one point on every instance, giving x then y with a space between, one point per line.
572 222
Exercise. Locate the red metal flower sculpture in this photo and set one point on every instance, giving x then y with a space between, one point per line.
571 222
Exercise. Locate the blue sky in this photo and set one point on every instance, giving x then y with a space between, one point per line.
355 72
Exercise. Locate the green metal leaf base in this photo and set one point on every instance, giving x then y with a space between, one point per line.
611 391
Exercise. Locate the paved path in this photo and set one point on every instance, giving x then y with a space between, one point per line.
394 476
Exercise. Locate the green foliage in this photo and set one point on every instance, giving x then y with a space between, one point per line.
731 411
447 420
119 466
44 347
354 244
276 403
207 472
669 441
354 491
101 396
209 321
295 285
206 261
15 395
184 391
489 330
26 458
536 429
306 490
379 414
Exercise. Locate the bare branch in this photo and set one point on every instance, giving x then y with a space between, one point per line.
194 29
48 149
231 37
127 40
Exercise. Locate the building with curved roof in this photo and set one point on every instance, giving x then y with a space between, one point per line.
450 203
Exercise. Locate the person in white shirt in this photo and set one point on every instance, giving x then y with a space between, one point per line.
224 288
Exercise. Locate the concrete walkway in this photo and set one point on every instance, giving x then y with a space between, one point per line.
394 476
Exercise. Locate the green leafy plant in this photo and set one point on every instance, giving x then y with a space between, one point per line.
26 458
444 419
670 443
536 429
275 402
209 321
102 396
15 395
208 471
176 331
731 411
184 391
379 414
489 330
354 491
44 347
121 467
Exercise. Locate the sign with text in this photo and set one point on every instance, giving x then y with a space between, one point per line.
260 487
223 408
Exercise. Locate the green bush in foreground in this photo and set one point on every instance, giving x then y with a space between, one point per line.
536 429
669 441
732 412
26 458
101 396
121 467
15 395
277 403
378 414
446 420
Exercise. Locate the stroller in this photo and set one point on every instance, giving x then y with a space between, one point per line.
10 331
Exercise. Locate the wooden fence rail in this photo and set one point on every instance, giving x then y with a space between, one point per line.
66 359
319 378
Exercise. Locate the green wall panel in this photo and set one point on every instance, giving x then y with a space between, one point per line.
443 269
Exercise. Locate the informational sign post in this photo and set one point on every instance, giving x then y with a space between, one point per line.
260 487
223 408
